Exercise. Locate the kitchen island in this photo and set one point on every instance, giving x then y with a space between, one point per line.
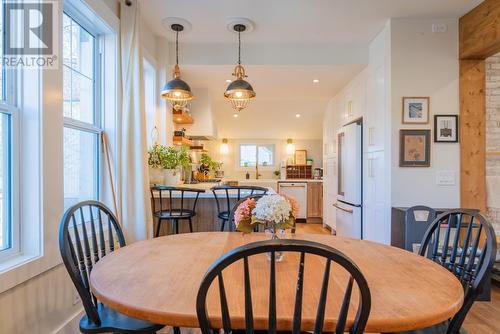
206 219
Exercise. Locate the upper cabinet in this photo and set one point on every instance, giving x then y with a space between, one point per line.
375 112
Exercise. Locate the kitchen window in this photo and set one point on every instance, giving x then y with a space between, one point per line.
81 110
251 154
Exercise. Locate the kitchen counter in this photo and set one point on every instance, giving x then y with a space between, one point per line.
207 186
301 180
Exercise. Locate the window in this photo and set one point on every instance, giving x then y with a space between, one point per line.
82 121
150 102
251 154
9 158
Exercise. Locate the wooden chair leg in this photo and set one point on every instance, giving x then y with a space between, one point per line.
191 225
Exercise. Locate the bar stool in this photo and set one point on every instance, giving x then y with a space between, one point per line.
224 192
175 210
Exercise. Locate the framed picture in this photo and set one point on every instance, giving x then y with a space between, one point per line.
446 128
300 157
415 148
415 110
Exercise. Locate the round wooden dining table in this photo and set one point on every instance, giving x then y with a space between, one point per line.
158 280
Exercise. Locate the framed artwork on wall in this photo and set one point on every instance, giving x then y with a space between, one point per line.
416 110
414 148
300 157
446 128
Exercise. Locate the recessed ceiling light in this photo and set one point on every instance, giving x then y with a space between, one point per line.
235 115
315 80
179 119
297 115
228 80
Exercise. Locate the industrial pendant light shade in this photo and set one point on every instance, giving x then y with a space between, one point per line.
239 92
177 92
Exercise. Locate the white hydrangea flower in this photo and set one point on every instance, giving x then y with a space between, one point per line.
272 208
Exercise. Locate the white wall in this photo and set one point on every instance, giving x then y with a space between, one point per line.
230 160
424 64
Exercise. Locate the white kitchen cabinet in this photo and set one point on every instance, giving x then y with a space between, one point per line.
376 220
329 192
375 115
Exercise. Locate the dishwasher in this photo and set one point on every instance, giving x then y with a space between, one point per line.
297 191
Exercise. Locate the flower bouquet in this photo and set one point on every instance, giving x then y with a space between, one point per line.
277 212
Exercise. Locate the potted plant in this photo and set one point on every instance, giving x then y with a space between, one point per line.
156 156
169 160
208 164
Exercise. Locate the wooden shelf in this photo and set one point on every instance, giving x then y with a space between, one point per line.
198 148
177 140
182 117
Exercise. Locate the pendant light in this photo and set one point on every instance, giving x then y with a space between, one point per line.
239 92
177 92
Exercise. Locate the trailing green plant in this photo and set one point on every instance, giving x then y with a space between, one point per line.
170 157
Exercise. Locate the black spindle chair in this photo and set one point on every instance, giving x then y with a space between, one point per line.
272 246
463 242
418 219
175 209
223 193
88 232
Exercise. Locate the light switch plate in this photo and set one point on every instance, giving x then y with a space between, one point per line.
446 178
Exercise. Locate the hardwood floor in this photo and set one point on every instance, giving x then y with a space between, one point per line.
484 317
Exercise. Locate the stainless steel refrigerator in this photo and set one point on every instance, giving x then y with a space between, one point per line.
349 193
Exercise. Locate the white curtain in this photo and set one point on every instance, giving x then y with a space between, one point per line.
133 198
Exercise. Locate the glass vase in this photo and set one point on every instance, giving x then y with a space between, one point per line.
274 234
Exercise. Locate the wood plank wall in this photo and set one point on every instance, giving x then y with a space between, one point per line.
479 38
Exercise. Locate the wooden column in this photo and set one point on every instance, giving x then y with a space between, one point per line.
473 134
479 39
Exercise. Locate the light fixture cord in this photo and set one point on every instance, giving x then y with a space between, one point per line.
239 47
177 47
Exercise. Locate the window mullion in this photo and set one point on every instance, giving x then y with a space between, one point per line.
82 126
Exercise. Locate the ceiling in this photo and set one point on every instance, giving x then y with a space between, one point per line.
282 92
285 82
295 21
292 43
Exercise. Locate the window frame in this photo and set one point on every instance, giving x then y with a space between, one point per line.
257 146
14 182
